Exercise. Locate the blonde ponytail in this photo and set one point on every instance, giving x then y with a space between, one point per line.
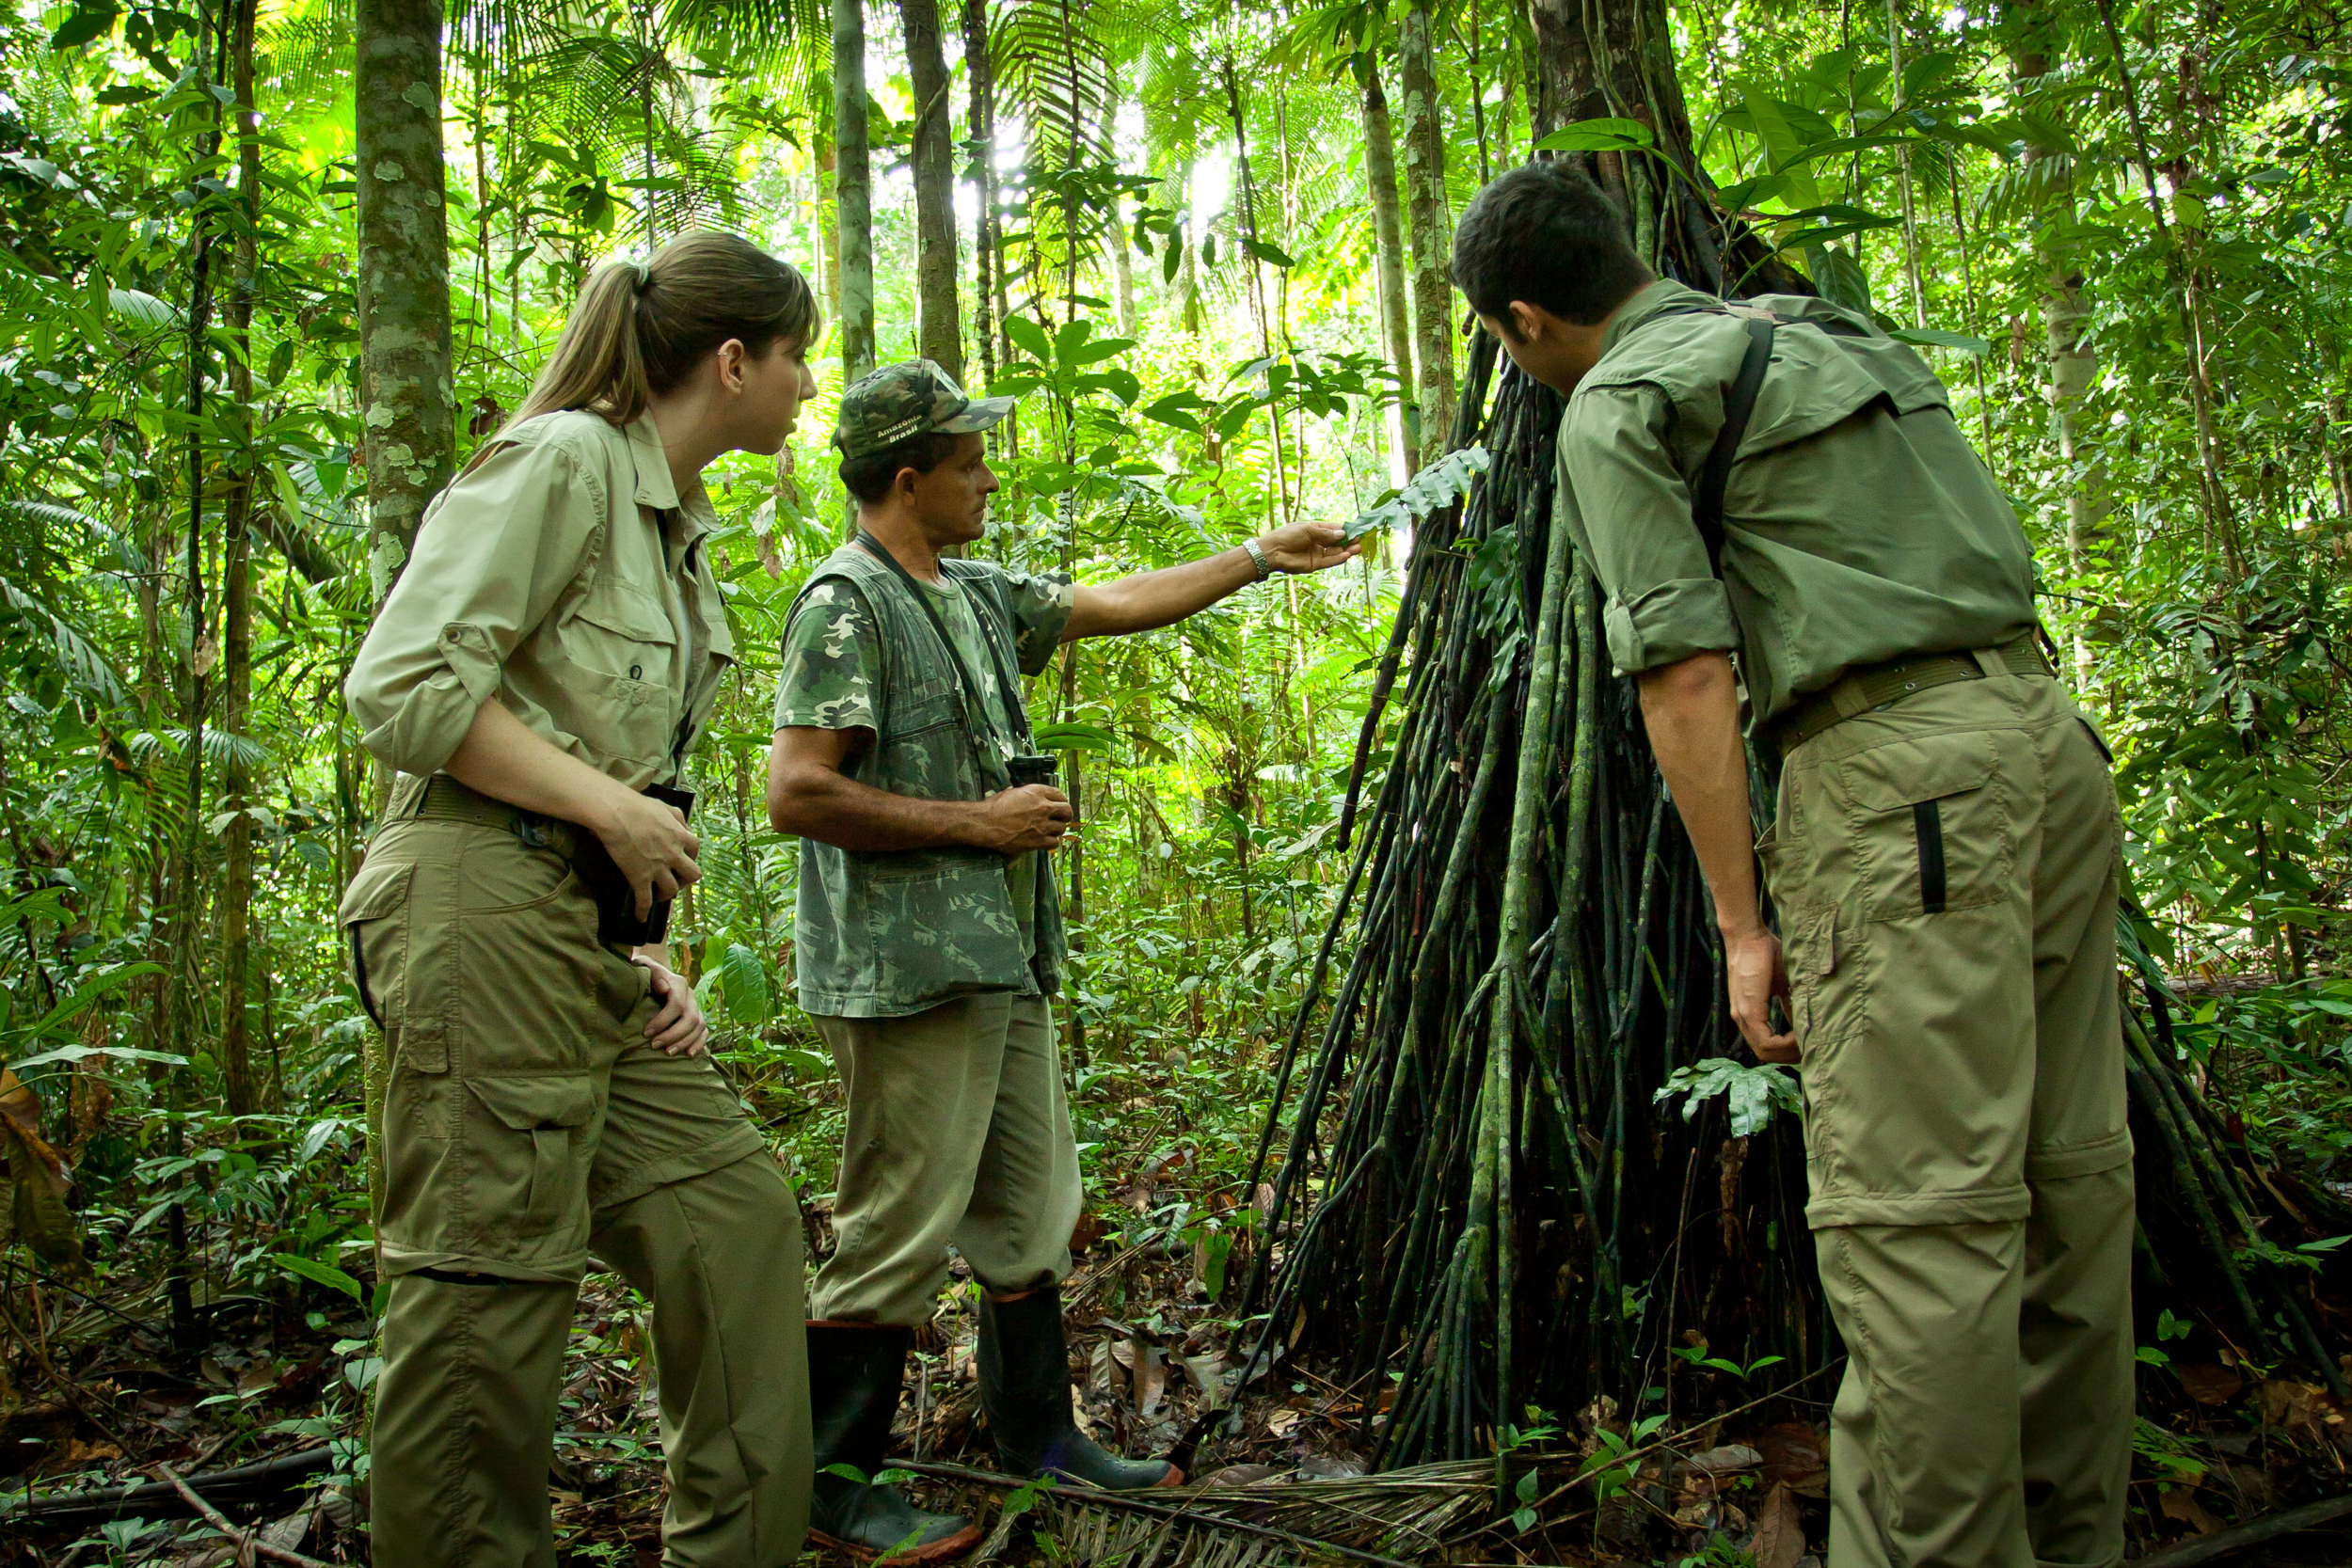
639 327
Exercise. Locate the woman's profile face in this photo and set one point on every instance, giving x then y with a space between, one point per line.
773 385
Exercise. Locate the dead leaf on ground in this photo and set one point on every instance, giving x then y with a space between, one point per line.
1281 1424
1796 1455
2288 1405
2211 1384
1779 1539
1241 1475
2184 1506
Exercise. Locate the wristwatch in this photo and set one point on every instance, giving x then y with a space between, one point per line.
1257 559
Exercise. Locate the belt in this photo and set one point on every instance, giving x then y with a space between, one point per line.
444 800
1867 687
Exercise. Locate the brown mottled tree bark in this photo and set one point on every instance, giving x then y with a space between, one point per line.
853 189
1430 229
939 325
1388 234
236 892
407 408
1622 67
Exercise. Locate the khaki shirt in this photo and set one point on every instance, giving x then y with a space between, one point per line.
548 577
1859 524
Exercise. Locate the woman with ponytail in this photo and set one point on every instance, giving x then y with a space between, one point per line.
539 677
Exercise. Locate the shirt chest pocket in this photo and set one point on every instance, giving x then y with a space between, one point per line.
926 750
623 641
623 632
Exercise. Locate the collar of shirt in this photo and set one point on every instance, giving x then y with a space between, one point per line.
1648 302
657 489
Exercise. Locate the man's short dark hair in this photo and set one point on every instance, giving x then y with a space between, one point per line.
1546 234
868 477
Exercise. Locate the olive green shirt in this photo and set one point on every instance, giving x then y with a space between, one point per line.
1859 524
565 576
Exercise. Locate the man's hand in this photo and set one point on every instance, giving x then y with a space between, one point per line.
679 1027
651 843
1014 822
1755 973
1308 547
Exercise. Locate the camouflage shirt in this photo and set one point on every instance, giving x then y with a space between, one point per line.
882 935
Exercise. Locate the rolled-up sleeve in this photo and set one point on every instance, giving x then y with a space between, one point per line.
489 566
1665 602
1040 607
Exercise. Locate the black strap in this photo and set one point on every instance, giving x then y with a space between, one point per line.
1707 505
1018 725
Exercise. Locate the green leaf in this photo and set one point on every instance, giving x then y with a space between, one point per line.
1783 145
143 311
1745 194
1074 738
1839 278
84 26
1599 135
1433 489
320 1273
1271 255
745 980
1933 337
1029 339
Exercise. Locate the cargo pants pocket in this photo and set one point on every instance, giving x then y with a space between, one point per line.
530 1150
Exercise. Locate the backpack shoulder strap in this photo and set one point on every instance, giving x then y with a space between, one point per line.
1707 502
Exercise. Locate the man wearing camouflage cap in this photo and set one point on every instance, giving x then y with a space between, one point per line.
930 936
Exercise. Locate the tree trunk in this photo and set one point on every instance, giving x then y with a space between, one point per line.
1430 227
236 894
1116 245
981 125
2065 310
939 327
1623 67
1388 250
852 183
407 408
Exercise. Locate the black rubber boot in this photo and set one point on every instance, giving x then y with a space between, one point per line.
1024 1388
855 1371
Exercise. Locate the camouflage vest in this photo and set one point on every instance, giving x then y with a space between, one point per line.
885 934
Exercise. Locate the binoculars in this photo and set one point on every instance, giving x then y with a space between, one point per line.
1033 769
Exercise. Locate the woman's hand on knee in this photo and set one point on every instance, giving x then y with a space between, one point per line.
679 1028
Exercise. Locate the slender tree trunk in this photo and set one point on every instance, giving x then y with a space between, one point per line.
2065 310
939 327
1430 227
236 894
1902 171
1387 235
853 190
1117 245
407 408
980 117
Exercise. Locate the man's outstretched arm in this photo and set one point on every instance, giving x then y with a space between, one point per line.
1691 710
1153 599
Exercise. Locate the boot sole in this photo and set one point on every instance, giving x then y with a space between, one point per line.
954 1546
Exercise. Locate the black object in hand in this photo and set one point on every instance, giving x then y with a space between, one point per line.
617 921
1033 769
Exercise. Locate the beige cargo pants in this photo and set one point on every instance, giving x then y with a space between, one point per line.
525 1127
1946 870
958 1130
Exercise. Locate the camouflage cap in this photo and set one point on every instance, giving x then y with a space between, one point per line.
886 407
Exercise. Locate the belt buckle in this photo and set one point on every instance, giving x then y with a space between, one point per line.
530 828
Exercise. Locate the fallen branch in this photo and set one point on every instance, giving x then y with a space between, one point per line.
1188 1514
2221 1543
246 1542
266 1477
